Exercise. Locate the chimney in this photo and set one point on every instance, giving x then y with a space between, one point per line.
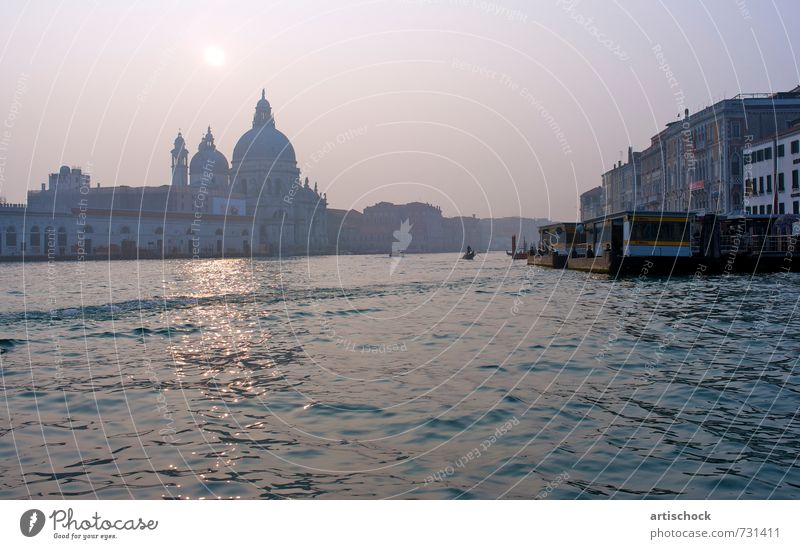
686 113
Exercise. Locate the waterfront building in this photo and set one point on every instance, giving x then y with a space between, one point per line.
593 203
621 183
696 162
258 205
772 169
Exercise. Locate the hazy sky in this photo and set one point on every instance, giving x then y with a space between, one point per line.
483 107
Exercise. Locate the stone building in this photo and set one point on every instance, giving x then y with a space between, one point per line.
593 203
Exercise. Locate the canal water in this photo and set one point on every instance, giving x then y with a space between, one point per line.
415 377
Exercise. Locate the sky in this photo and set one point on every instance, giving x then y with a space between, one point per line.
488 108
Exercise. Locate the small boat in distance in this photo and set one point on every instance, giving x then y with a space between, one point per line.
470 254
522 253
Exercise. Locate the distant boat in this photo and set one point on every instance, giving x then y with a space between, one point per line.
522 253
469 255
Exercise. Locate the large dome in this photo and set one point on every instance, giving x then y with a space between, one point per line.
264 142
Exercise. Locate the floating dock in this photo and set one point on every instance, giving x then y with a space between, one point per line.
641 243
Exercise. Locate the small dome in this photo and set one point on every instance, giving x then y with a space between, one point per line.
64 170
263 103
208 160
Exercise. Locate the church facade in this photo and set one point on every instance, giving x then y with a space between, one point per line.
255 205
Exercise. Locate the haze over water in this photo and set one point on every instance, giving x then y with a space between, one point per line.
330 377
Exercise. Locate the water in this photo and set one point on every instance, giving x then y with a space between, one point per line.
429 377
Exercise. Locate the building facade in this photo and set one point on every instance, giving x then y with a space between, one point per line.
772 175
621 184
593 203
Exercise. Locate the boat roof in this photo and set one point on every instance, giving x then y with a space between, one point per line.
659 215
564 224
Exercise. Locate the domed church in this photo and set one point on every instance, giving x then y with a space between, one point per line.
288 215
256 205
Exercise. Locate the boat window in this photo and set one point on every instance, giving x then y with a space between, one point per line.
658 231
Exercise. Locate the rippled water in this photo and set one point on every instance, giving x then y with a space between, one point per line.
427 378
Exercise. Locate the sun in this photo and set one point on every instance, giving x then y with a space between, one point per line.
214 56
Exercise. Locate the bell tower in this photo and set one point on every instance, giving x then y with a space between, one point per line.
180 163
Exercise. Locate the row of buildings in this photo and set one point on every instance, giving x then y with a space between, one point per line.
738 156
421 228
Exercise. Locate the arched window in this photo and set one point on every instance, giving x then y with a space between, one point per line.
736 168
62 237
36 236
11 236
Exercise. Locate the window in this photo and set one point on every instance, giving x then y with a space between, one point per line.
780 151
781 208
159 230
761 209
796 207
769 209
735 166
768 154
769 183
781 185
795 181
759 155
747 209
36 237
795 146
735 129
11 236
761 184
